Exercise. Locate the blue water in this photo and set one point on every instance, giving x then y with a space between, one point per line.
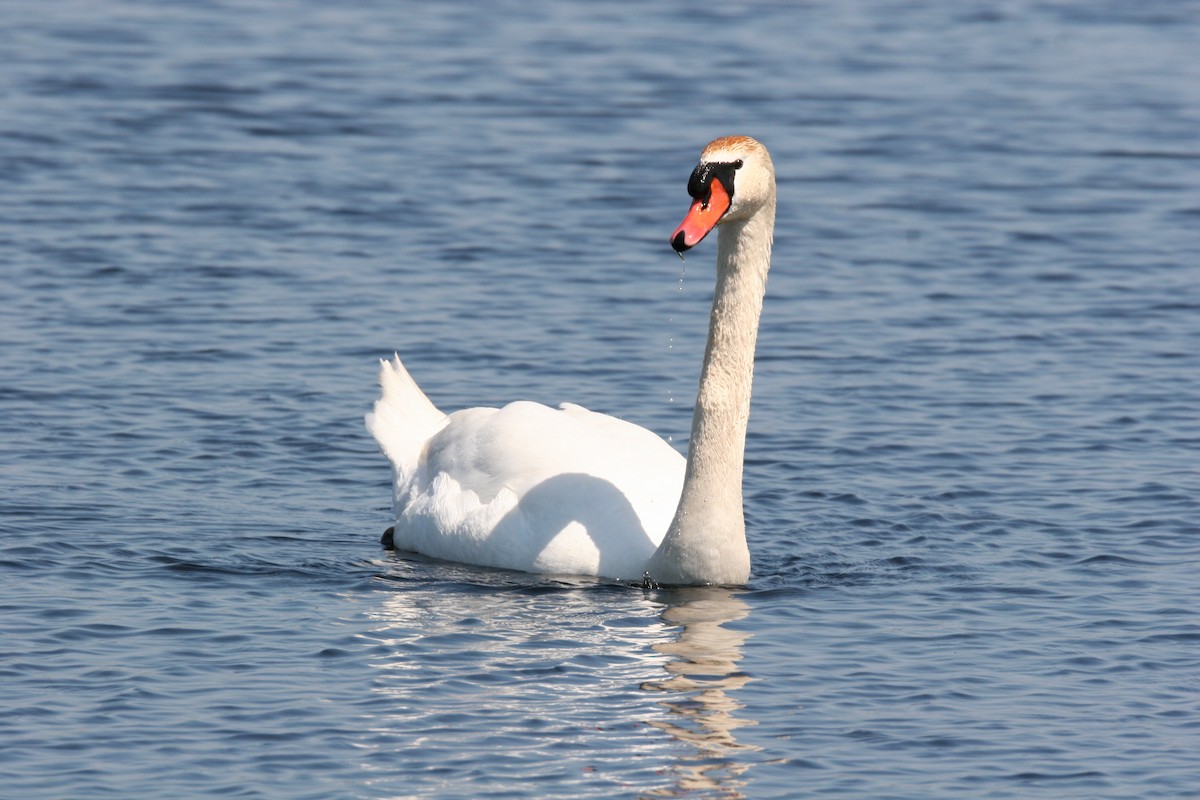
973 470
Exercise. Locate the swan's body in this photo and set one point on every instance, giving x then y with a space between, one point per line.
568 490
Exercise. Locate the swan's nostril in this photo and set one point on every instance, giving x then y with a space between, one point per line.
680 242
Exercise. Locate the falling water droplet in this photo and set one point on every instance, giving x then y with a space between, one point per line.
671 339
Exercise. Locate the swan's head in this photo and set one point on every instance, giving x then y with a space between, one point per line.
734 179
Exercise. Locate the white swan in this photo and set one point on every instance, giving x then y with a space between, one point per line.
571 491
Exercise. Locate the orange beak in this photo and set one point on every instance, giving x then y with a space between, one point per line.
701 218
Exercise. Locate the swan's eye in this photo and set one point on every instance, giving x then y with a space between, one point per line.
737 164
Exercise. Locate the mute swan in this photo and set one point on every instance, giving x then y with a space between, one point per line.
571 491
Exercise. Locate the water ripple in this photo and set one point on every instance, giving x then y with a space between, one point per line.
971 480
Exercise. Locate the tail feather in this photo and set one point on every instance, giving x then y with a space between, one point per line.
403 419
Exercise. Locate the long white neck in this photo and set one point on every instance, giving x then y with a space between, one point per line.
706 542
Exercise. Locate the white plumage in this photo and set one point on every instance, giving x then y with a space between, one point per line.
526 486
571 491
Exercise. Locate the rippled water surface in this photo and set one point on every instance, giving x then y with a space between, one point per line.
973 471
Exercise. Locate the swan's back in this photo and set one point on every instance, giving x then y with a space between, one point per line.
527 487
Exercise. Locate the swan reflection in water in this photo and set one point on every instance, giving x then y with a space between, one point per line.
703 670
480 681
